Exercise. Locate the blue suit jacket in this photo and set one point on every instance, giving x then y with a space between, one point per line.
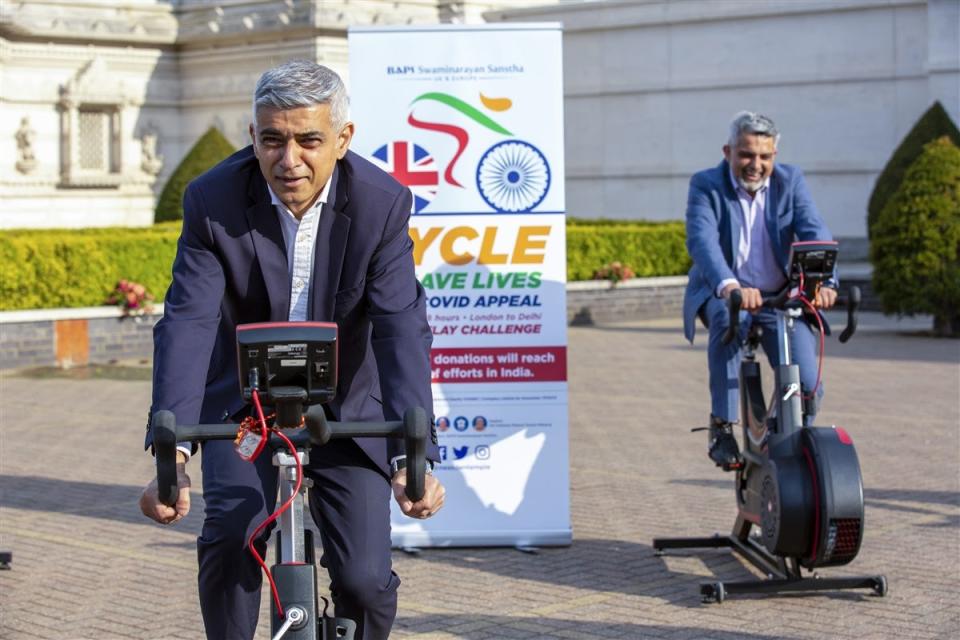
231 269
713 228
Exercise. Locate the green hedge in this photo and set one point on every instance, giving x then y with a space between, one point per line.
648 248
42 269
916 240
79 268
933 124
210 149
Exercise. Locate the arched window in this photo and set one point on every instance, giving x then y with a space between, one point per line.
91 110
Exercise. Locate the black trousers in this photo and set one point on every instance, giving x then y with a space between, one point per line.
350 503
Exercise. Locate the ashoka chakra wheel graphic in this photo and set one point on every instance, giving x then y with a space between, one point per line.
513 176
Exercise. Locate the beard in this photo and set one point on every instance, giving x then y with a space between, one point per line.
750 185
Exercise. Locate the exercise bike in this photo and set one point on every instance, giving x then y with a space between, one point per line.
799 485
294 366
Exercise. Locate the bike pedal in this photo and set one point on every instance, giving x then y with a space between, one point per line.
731 467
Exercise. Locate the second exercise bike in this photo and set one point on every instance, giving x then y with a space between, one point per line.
799 486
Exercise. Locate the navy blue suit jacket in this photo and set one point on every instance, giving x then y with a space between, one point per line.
713 228
231 269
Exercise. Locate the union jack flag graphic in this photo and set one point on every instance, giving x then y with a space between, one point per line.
413 167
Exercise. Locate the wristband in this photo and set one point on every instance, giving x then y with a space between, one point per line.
400 462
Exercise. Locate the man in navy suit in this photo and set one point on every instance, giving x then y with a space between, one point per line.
742 217
296 227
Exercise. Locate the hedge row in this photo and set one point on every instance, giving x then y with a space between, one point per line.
79 268
648 248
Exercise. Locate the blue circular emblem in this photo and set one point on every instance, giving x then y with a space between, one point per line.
513 176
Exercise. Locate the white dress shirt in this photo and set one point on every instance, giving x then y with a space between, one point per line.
300 238
755 264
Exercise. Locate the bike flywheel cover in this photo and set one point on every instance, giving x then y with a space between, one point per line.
835 469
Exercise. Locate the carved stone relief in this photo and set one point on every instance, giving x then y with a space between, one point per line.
150 161
26 161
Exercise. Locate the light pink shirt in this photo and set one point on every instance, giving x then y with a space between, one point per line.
755 264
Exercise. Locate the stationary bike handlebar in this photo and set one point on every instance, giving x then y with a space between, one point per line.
317 431
782 300
734 302
852 302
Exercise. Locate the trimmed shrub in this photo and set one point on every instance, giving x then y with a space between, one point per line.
931 125
915 248
43 269
647 248
609 222
210 149
79 268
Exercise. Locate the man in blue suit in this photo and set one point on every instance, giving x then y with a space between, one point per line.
296 227
742 217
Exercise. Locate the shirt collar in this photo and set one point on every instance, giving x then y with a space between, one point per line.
322 199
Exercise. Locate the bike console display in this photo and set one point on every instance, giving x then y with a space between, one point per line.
811 263
288 361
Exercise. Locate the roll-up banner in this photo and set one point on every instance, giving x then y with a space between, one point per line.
470 118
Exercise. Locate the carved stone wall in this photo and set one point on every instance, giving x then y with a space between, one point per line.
82 73
650 87
145 79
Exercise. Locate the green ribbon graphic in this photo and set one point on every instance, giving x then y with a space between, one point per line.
465 109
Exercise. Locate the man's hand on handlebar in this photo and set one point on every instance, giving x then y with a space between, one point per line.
752 299
150 503
428 505
826 298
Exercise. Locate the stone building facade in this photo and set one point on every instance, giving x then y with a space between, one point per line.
100 100
651 86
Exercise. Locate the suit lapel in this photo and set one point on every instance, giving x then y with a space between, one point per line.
332 233
271 250
730 242
775 205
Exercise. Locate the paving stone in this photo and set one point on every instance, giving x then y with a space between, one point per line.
72 467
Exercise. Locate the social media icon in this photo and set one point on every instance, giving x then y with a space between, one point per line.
482 452
443 452
459 453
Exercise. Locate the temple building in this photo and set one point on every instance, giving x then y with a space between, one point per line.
100 100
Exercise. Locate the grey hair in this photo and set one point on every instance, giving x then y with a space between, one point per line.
752 123
302 83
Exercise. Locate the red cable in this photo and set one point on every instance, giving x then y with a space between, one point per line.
263 421
276 514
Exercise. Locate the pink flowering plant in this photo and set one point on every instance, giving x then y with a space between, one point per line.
132 298
615 272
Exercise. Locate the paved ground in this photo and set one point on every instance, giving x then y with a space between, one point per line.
87 565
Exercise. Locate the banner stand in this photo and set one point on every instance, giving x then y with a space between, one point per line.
470 118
